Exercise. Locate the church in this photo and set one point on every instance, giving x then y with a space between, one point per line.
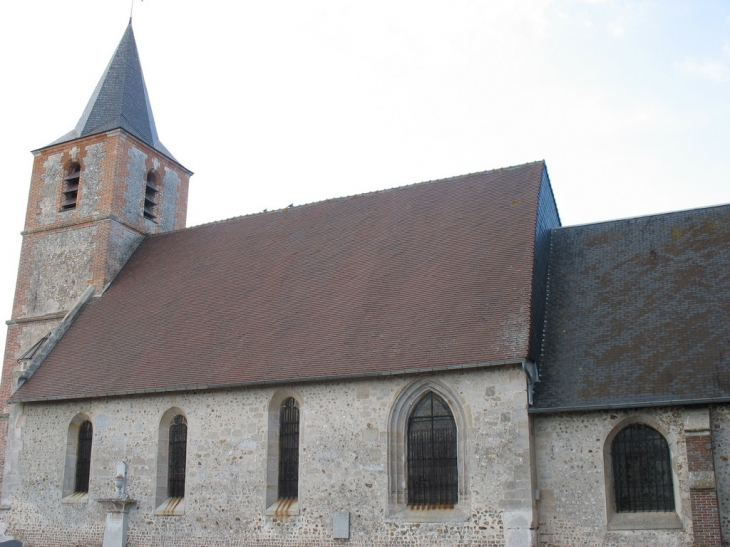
441 364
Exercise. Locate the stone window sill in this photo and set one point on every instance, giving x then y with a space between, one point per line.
647 520
171 507
283 508
76 497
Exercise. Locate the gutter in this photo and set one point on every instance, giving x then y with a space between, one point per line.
634 404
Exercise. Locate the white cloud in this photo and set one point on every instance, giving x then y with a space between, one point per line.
704 68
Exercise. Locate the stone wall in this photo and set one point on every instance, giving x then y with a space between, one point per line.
343 466
574 505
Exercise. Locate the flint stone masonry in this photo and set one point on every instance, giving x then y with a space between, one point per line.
91 189
50 190
122 243
135 183
60 269
170 200
574 500
343 467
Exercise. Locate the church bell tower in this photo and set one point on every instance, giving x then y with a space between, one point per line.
95 193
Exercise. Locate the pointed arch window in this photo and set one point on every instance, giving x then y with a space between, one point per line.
289 450
177 457
642 470
71 182
433 475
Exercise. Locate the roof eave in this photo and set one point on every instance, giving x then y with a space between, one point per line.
267 382
631 404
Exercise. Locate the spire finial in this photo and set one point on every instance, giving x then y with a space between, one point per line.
131 11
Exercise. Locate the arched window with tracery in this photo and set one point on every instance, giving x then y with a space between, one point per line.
177 455
83 457
289 450
432 466
642 470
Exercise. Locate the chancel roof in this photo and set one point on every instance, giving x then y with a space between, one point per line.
638 313
425 277
120 100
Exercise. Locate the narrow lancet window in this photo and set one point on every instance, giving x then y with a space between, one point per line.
83 457
177 457
150 197
433 474
289 450
71 187
642 470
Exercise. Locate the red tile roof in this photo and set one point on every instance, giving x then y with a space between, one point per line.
436 274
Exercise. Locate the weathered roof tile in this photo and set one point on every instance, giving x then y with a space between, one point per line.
638 312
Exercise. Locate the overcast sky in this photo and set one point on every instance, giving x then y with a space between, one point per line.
290 101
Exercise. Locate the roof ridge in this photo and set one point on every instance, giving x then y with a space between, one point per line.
640 217
350 196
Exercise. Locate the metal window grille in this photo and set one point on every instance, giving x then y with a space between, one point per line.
642 472
176 458
289 450
83 457
433 476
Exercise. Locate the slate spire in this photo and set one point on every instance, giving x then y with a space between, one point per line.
120 99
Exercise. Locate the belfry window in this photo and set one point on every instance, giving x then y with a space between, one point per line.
151 192
433 476
71 187
83 457
289 450
177 457
642 471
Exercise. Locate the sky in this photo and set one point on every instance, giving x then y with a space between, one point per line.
291 102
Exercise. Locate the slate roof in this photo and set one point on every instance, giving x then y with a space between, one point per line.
428 276
638 313
120 100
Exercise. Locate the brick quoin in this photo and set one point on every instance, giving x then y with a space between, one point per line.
705 510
